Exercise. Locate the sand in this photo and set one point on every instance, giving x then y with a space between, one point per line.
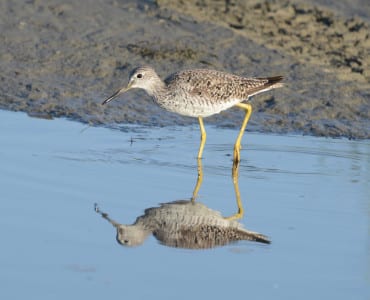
60 59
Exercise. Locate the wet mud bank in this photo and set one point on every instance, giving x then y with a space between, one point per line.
60 59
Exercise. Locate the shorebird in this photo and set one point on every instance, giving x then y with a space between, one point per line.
183 224
200 93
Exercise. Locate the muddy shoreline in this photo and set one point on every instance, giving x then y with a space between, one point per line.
60 59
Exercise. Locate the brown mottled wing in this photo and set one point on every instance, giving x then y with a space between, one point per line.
219 85
206 236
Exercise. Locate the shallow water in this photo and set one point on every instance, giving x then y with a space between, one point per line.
309 195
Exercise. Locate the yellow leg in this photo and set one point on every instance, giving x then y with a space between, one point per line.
235 176
203 137
199 180
248 112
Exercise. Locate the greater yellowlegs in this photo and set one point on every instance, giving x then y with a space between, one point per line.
200 93
183 224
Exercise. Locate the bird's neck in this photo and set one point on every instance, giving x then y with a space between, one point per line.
146 224
158 90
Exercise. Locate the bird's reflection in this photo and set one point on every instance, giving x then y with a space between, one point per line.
183 224
187 223
235 177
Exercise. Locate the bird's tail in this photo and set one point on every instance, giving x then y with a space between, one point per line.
270 83
274 80
253 236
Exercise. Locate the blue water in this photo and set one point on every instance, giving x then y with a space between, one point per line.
309 195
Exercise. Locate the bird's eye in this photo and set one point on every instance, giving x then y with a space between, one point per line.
125 241
139 75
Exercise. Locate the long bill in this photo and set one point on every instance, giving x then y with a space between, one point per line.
116 94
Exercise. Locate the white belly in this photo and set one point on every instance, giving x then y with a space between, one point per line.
198 107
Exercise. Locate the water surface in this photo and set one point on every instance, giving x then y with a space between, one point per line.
309 195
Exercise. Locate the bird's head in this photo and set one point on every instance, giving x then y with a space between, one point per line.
140 78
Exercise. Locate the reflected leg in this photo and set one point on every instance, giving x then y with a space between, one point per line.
248 112
203 137
235 177
199 180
